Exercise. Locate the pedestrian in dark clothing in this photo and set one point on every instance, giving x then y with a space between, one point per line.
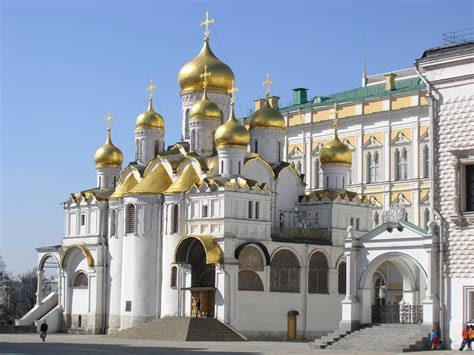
198 307
43 329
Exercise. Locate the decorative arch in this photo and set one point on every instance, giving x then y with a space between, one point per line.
298 257
249 281
46 257
318 273
212 249
400 260
326 254
80 279
258 158
261 246
83 249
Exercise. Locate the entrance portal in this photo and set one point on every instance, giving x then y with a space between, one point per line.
201 255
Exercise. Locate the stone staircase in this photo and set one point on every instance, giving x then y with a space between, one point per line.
174 328
377 337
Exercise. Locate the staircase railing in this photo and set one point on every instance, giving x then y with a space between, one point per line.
403 313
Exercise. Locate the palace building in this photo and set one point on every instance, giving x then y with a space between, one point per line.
292 223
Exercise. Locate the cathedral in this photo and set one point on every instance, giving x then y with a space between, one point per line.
291 223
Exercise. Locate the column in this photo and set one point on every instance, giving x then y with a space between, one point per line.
350 304
39 286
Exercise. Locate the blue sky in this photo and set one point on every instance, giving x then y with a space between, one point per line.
64 63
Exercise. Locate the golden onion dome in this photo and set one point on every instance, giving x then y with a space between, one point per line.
205 109
150 119
231 133
267 117
189 76
335 152
108 155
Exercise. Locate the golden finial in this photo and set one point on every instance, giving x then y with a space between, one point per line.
336 118
204 77
109 118
151 89
267 83
206 24
232 92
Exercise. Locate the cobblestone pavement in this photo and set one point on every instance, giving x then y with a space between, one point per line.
99 344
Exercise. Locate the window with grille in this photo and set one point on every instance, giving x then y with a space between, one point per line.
128 306
130 221
249 281
318 274
250 204
80 280
257 210
113 223
284 272
205 211
174 276
469 187
341 278
83 219
175 216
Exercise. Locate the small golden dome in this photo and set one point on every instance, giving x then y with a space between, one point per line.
335 152
267 117
108 155
231 133
150 119
189 76
206 109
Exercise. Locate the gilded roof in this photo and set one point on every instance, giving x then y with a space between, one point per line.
267 117
232 133
332 195
335 152
125 187
156 182
183 183
205 109
150 119
108 155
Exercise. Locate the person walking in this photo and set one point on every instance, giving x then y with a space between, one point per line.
43 330
465 338
198 307
471 337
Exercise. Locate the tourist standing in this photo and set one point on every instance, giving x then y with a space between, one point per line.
198 307
465 338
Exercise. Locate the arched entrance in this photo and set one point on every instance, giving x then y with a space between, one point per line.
198 257
392 289
48 276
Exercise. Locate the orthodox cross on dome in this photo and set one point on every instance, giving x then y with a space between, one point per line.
336 119
232 92
109 118
204 77
151 89
267 83
206 24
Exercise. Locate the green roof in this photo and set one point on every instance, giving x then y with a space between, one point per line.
359 94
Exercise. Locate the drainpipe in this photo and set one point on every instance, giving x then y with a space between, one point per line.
434 96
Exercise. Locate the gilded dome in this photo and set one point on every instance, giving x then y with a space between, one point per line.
231 133
206 109
335 152
267 117
108 155
150 119
189 76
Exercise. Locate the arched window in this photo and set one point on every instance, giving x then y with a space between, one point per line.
186 124
426 216
369 165
341 278
130 221
250 259
174 276
81 280
256 146
222 167
401 164
318 274
240 164
279 151
157 147
113 222
174 228
426 161
250 281
282 219
373 165
318 173
376 219
137 149
284 272
193 140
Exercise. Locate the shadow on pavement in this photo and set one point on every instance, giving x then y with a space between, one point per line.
73 348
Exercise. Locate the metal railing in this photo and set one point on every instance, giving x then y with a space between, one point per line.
403 313
457 37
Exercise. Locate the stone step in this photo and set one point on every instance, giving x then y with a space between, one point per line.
173 328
